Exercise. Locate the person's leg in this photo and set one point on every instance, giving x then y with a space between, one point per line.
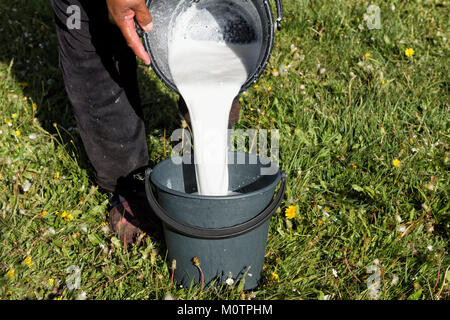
99 71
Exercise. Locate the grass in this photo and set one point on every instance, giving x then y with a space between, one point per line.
347 102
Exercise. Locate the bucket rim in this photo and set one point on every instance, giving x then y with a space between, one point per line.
208 197
252 78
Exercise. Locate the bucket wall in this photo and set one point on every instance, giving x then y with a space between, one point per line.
219 258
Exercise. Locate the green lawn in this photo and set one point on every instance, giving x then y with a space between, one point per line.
364 139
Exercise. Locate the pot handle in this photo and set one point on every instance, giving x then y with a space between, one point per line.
279 13
219 233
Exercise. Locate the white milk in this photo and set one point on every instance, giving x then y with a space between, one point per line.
209 75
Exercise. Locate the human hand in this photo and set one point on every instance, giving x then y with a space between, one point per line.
122 13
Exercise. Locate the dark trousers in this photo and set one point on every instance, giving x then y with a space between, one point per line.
99 72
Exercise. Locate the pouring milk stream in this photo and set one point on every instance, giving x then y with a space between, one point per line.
209 73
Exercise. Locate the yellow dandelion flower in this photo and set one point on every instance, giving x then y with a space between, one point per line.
275 276
290 212
68 217
354 166
9 123
256 86
56 175
411 140
43 213
269 88
59 298
29 262
275 72
8 293
396 163
196 261
409 52
11 273
383 82
17 133
14 116
34 106
51 282
367 54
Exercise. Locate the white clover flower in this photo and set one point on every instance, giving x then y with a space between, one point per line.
26 186
374 292
229 281
335 273
430 247
81 296
394 279
401 228
105 229
32 136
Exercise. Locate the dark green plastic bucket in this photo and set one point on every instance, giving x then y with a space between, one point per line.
227 234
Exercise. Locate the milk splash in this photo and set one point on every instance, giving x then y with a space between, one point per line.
209 73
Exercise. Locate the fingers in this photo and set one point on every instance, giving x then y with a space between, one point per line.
122 13
143 16
129 32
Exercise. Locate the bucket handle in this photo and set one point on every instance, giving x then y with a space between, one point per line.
279 13
209 233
